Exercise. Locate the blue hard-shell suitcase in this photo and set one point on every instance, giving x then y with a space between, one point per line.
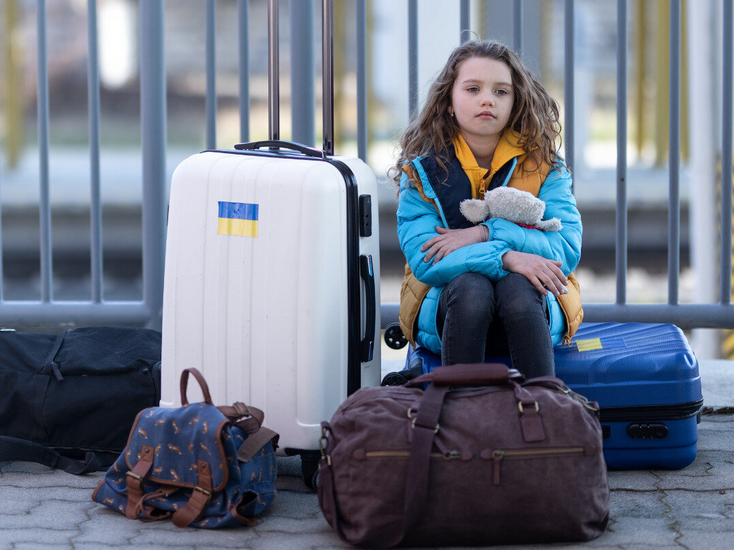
645 378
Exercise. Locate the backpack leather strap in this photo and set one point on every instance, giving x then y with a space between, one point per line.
134 481
255 442
200 497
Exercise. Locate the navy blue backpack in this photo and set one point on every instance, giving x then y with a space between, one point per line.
199 465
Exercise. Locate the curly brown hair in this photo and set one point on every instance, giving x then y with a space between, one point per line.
534 115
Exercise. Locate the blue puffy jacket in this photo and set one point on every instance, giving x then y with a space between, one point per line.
431 197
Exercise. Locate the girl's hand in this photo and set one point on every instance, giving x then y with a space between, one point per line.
546 275
449 240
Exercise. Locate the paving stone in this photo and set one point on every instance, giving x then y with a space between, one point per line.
692 509
635 504
706 540
711 511
634 480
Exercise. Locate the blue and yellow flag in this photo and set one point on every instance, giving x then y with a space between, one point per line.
592 344
238 218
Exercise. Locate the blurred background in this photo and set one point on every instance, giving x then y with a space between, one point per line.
388 111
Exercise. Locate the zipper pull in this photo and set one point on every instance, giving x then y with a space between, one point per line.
57 372
497 456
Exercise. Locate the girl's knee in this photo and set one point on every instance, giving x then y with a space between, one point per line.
471 287
517 297
470 295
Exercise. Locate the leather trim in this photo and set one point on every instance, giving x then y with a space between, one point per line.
200 496
134 481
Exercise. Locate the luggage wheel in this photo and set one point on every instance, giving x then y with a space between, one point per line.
402 377
394 337
310 468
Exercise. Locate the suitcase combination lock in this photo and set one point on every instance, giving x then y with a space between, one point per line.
654 430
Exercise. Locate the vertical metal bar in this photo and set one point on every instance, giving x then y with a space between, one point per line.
674 158
2 268
243 36
273 71
211 75
327 63
362 129
621 244
95 207
726 153
43 150
465 21
412 58
517 26
303 128
153 124
568 92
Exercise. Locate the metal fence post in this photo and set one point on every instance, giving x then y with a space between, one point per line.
153 124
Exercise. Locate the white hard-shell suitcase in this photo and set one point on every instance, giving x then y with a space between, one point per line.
272 284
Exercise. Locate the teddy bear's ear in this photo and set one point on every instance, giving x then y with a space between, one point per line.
474 210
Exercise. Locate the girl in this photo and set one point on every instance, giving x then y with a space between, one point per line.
495 288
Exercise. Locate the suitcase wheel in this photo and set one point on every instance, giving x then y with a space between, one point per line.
310 468
394 337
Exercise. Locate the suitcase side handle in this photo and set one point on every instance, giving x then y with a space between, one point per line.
278 144
368 276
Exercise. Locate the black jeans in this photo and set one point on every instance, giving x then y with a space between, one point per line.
510 317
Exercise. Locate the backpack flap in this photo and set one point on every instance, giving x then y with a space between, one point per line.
178 448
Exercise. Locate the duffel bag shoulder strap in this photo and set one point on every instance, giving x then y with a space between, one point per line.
425 425
12 448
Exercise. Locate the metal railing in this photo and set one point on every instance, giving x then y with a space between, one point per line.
49 313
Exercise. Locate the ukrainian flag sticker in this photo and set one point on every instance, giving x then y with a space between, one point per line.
238 218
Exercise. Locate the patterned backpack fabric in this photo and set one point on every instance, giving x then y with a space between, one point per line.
200 465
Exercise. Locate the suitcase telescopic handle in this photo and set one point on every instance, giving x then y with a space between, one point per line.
327 64
277 144
484 374
327 69
273 71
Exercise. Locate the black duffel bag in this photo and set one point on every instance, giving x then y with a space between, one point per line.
69 400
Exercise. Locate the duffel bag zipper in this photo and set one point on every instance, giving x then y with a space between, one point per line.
451 455
499 455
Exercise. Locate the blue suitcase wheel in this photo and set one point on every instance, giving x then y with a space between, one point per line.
394 337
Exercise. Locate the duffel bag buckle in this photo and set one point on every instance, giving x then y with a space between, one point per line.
522 411
413 419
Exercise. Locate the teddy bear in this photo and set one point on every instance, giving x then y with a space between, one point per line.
510 204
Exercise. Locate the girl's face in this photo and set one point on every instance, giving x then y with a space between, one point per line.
482 98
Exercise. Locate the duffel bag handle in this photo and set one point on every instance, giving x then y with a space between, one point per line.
202 383
480 374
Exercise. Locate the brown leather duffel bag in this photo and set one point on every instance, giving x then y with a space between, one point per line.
479 458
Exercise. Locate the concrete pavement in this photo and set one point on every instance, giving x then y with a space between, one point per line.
692 508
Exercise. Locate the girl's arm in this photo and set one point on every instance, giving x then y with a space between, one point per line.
417 223
564 245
